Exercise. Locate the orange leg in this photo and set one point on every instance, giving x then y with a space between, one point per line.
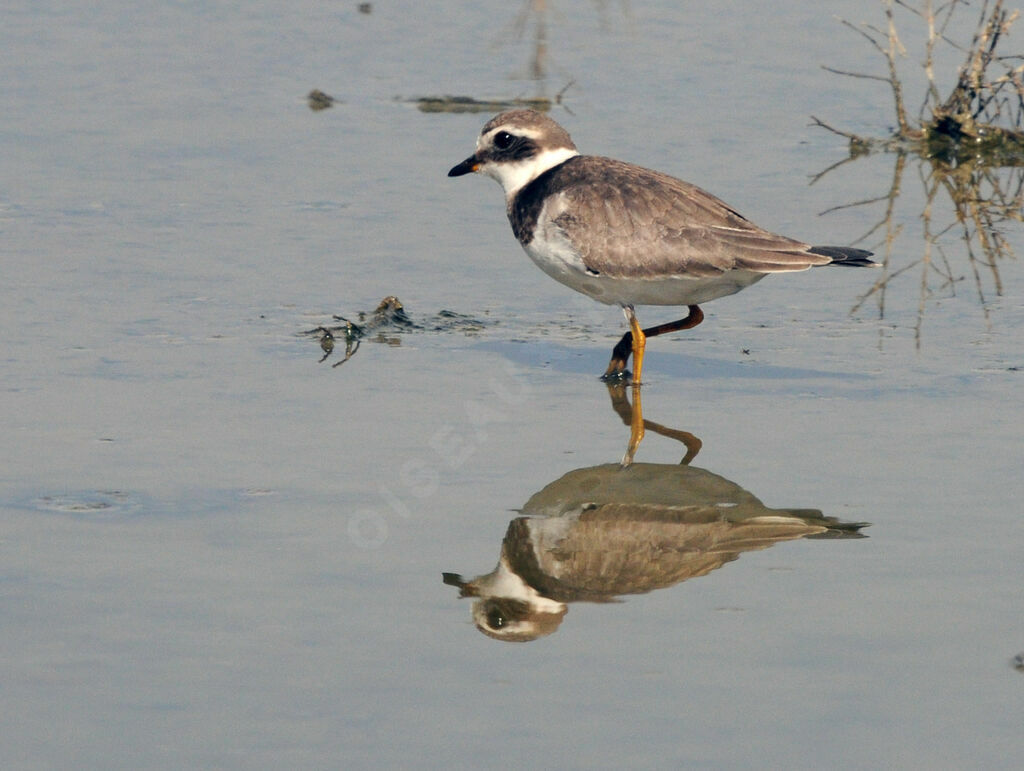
639 343
628 343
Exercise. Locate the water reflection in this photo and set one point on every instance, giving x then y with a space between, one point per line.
533 20
533 16
974 202
601 532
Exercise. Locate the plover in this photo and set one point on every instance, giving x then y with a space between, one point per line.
626 235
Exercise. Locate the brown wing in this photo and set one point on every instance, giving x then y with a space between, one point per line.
630 222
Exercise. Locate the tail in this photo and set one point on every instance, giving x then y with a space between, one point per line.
845 255
834 528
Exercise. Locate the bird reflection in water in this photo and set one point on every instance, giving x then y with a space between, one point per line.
605 531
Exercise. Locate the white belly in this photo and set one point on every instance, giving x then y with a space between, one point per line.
560 261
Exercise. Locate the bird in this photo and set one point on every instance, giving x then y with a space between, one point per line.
626 235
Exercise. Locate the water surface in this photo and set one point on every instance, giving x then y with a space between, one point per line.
218 552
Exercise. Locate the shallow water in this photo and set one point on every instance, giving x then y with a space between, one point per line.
219 552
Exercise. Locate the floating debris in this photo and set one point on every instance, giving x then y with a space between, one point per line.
97 505
366 8
469 104
458 104
388 313
318 100
383 325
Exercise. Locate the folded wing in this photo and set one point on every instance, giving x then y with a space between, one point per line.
630 222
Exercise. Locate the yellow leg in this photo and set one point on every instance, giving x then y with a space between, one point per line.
639 341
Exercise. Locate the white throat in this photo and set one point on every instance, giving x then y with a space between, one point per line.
513 175
503 582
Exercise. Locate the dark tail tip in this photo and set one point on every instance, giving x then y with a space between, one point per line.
845 255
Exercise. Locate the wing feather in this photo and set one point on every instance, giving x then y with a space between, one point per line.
631 222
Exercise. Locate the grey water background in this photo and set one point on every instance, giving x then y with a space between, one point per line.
216 552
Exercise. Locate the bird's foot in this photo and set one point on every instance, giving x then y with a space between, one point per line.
617 372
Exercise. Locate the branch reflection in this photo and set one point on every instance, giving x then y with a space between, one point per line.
968 205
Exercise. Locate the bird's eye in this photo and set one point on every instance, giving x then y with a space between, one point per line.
503 140
495 618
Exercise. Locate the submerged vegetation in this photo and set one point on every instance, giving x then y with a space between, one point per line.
970 145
